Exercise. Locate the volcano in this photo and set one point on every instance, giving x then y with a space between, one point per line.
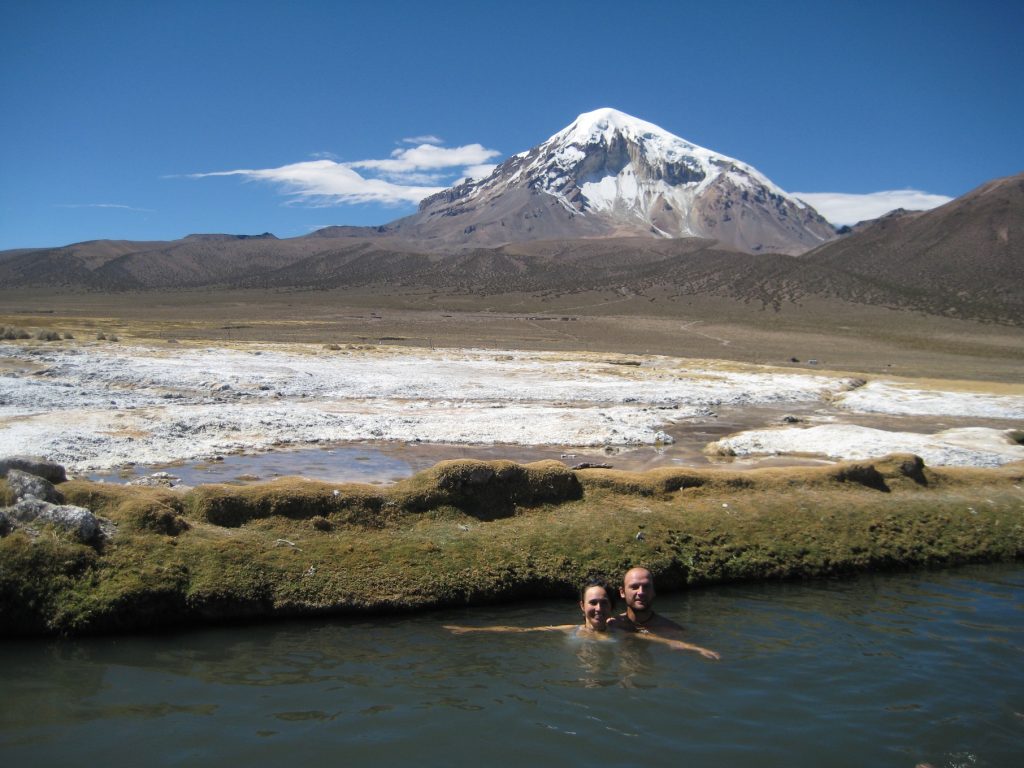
609 174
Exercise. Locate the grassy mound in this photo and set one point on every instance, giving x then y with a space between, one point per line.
485 490
466 532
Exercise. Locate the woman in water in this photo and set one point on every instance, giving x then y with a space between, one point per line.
596 603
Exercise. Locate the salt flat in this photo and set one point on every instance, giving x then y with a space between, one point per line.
95 406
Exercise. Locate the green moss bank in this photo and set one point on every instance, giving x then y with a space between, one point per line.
468 532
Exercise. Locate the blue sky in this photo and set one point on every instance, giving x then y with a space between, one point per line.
114 112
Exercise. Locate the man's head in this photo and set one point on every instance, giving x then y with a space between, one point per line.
638 590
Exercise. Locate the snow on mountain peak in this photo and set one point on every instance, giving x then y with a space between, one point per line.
611 174
605 121
602 125
658 147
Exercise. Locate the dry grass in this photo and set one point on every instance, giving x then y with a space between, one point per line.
472 532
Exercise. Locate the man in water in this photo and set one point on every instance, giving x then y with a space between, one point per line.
638 591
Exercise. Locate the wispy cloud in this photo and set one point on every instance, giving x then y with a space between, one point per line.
325 183
106 205
427 157
407 176
845 208
428 139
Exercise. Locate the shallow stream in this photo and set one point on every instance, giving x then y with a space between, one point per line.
893 670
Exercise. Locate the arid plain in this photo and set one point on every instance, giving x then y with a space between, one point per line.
838 335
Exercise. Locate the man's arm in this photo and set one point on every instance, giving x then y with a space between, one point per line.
664 630
680 645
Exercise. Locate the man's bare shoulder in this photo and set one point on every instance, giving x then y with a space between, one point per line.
656 623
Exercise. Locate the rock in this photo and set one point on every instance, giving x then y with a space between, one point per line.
48 470
23 484
5 524
75 520
157 480
78 521
26 510
719 449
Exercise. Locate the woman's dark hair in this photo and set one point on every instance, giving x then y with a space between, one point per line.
597 582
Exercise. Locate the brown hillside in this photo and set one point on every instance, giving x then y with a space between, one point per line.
965 258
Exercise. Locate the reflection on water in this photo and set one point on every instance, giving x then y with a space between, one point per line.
878 671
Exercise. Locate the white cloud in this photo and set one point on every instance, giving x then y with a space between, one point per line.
428 139
844 208
325 182
428 156
479 171
408 176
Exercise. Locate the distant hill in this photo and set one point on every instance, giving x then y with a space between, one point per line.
192 262
961 260
965 258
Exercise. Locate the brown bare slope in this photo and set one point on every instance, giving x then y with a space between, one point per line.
192 262
664 269
630 266
963 259
68 266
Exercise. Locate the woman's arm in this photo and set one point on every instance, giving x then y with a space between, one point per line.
460 630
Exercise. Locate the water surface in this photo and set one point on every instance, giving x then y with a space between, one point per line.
896 670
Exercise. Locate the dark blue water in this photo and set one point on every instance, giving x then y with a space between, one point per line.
898 670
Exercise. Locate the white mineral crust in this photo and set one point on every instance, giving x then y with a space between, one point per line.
96 406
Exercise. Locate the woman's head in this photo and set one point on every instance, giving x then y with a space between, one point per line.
596 602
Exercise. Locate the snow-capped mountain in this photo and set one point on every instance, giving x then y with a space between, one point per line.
612 175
